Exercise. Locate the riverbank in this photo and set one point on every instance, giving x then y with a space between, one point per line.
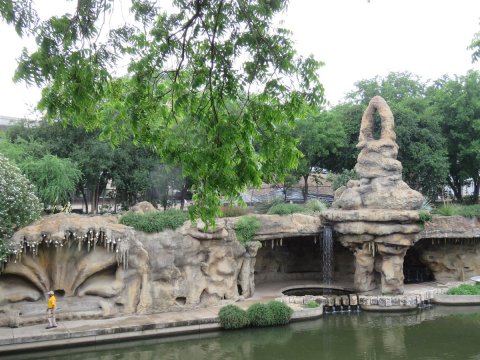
92 332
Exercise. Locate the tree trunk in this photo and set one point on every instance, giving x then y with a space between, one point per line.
182 196
93 198
476 188
85 201
305 188
456 188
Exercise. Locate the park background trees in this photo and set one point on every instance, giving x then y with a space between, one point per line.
215 90
212 87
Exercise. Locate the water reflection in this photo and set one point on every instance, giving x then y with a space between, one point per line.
436 333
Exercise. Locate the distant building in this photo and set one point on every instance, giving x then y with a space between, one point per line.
6 121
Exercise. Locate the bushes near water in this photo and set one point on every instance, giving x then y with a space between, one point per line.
260 315
257 315
232 317
280 312
155 221
465 289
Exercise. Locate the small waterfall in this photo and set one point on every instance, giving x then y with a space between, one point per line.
327 264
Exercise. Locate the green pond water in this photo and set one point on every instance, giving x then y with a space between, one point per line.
432 333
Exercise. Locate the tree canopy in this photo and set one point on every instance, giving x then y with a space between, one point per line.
212 86
456 102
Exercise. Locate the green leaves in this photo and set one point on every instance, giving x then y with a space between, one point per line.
19 205
212 87
56 179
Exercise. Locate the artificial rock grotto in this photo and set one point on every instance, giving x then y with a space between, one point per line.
101 268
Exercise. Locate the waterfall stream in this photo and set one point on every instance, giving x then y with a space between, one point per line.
327 256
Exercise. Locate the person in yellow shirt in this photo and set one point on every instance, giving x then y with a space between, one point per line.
51 308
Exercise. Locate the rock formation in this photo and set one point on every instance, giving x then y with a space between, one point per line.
376 216
100 268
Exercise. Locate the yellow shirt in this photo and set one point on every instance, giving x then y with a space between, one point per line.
52 302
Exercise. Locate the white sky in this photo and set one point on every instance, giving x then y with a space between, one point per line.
356 39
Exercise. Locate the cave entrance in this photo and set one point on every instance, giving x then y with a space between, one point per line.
414 271
300 258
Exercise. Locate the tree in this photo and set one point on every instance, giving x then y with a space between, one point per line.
127 166
208 81
55 178
163 180
319 138
456 102
19 205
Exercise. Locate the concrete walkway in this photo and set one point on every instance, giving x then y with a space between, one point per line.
90 332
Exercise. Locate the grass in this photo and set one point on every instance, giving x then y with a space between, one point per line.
465 289
155 221
233 211
285 209
312 304
470 211
262 208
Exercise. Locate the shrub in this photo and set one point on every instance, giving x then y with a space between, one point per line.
260 315
312 304
425 216
233 211
155 221
285 209
232 317
246 227
263 208
315 205
465 289
19 206
281 312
